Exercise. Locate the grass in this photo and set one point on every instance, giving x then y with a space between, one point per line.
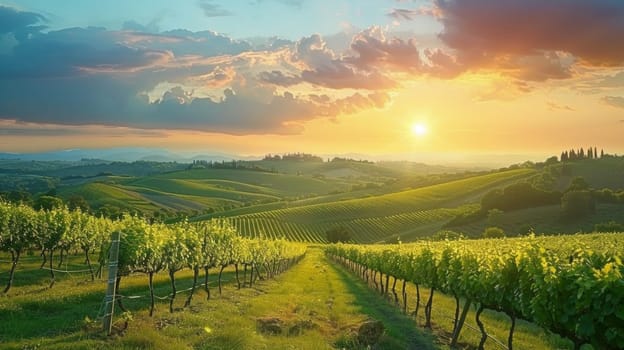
314 292
283 184
99 194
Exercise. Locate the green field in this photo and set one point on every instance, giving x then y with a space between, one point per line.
411 213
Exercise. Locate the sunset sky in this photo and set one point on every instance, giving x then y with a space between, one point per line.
249 77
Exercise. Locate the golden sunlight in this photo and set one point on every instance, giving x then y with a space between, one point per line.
419 129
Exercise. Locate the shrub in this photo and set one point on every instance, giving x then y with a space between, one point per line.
493 232
610 226
338 234
447 235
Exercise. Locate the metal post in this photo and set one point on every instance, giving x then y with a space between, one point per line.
112 284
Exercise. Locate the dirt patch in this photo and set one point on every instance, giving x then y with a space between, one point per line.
300 326
370 332
277 326
270 325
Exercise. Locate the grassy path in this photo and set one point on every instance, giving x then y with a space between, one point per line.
318 304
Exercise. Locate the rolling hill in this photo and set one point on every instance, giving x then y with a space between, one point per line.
377 218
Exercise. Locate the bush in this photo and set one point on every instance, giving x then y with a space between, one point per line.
465 218
493 232
610 226
575 204
518 196
338 234
447 235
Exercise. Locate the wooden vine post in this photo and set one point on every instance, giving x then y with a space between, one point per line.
107 322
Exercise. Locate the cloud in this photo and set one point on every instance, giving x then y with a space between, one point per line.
614 101
277 77
151 27
293 3
615 80
15 128
364 68
240 111
184 42
555 106
404 14
375 50
401 14
212 9
322 67
20 23
68 52
70 79
483 30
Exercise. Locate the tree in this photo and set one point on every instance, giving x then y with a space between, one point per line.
338 234
493 232
48 203
19 197
575 204
495 217
610 226
578 184
78 202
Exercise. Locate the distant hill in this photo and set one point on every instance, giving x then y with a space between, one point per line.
379 217
599 174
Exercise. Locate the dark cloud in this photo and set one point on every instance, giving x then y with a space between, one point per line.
72 51
79 77
12 128
404 14
484 30
442 64
536 67
341 76
184 42
614 101
277 77
328 70
20 23
212 9
375 50
108 103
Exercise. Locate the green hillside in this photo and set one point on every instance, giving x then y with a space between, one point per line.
376 218
99 194
201 190
547 220
606 172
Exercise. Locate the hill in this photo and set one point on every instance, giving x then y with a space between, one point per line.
377 218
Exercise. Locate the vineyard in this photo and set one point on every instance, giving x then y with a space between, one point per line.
144 247
569 285
368 230
377 218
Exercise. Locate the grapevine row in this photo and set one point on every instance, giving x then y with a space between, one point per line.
273 225
144 247
570 285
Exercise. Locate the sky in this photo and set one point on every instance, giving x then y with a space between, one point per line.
395 78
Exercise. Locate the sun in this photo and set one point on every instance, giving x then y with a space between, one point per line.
419 129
